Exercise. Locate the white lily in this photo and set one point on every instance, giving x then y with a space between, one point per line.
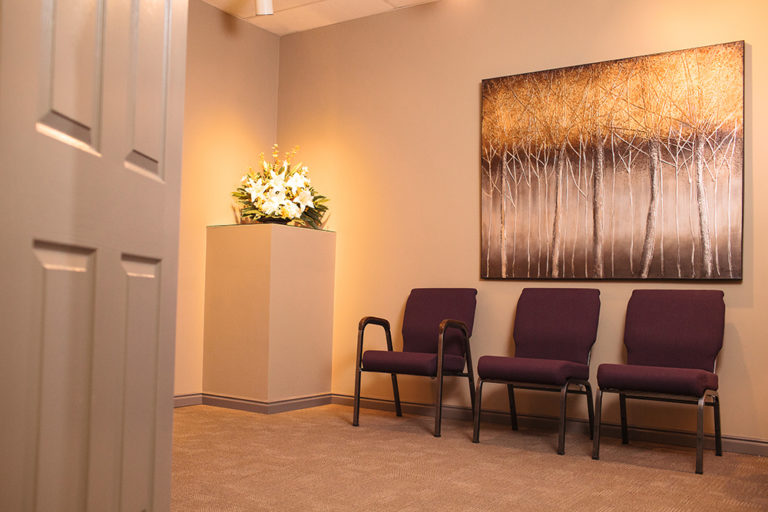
256 189
304 200
291 210
278 190
270 206
277 182
296 182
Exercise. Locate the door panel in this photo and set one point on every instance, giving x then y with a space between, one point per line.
148 94
91 104
71 71
65 375
138 444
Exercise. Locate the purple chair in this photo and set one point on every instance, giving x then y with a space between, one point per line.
436 329
672 339
554 331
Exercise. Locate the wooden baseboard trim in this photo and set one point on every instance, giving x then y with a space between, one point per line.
576 425
187 400
265 407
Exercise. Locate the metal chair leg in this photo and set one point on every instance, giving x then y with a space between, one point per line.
356 408
476 410
561 433
396 392
700 437
718 434
590 410
470 376
623 410
512 408
598 413
439 404
472 398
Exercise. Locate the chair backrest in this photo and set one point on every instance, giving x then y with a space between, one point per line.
675 328
426 308
556 323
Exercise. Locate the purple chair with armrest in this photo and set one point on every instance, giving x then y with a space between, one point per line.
554 331
672 339
437 327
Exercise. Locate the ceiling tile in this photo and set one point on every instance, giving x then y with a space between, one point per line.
318 14
238 8
282 5
298 15
398 4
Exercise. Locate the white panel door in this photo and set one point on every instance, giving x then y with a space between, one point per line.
91 103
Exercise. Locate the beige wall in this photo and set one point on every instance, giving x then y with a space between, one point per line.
387 111
230 116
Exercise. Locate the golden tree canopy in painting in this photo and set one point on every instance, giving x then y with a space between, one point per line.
647 96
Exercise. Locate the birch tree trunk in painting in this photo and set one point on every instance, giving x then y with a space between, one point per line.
548 248
653 207
661 211
701 201
529 182
691 224
503 229
714 175
539 203
632 214
732 147
676 160
597 210
516 203
577 182
488 157
613 205
556 238
587 176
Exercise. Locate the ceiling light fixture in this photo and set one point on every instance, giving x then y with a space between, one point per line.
264 7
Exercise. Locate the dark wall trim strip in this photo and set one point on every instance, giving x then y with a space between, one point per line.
252 405
187 400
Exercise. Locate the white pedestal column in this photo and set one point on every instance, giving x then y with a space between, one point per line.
268 316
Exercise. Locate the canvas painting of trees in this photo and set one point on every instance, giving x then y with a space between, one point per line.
628 169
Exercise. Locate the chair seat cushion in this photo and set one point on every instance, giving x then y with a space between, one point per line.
527 369
656 379
413 363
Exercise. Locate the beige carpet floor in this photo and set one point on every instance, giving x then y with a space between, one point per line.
313 459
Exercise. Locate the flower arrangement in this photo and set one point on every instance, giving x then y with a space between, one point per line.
280 192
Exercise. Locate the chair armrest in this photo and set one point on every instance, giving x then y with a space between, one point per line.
446 324
365 321
373 320
456 324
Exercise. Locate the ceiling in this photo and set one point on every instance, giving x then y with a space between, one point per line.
297 15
